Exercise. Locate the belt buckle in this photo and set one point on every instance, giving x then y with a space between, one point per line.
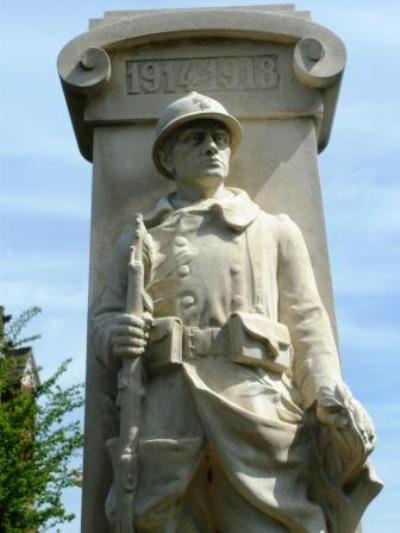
188 343
197 342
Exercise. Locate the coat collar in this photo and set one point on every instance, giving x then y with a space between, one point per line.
237 210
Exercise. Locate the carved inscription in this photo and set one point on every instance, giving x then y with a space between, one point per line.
230 73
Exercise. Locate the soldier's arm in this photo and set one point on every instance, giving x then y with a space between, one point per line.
116 334
316 363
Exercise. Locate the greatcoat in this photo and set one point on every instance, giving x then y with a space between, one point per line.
230 445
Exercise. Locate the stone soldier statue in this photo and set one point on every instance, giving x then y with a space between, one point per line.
246 424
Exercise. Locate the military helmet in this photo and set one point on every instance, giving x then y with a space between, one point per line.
193 106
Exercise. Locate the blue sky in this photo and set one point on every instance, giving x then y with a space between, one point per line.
46 185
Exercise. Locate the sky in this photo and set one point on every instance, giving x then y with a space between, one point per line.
45 191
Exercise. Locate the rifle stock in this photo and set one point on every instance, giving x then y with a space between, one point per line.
123 449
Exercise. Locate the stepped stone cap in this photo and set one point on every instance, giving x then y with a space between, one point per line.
193 106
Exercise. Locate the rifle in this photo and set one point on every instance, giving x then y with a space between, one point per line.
124 449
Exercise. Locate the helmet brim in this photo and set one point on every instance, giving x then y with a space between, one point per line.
230 122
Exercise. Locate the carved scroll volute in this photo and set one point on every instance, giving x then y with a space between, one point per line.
318 64
91 73
81 80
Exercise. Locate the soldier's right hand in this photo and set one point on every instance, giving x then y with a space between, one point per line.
129 335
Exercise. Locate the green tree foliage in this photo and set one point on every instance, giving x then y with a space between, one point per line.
38 441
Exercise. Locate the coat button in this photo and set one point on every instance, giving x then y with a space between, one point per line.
237 301
235 269
183 270
188 300
180 240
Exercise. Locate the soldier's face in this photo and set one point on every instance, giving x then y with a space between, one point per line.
200 153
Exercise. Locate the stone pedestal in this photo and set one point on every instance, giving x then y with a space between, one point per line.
270 66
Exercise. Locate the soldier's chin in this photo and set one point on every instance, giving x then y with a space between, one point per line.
215 172
207 178
210 178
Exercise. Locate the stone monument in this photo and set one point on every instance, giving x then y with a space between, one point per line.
215 400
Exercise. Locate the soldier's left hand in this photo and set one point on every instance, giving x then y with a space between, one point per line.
351 427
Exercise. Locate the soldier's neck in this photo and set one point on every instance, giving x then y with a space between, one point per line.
190 194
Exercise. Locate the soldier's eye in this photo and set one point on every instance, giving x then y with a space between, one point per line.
221 139
192 137
197 137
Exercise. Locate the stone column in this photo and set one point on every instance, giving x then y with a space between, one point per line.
270 66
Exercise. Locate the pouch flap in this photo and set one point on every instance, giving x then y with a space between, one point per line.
165 347
259 326
163 327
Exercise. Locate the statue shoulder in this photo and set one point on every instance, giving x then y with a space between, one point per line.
279 230
281 223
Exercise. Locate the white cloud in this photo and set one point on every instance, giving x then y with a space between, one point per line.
14 263
42 145
361 200
363 223
42 203
378 23
365 23
368 119
370 368
366 336
365 280
20 294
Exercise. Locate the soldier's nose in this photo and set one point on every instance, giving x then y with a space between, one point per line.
211 147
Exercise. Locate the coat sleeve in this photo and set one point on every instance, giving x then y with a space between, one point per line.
112 299
316 363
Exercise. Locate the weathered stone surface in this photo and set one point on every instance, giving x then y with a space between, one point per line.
276 71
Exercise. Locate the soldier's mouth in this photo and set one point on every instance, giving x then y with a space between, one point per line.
213 162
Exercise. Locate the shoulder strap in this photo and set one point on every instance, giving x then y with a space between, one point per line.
256 250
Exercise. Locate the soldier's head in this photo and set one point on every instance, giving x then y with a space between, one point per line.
195 137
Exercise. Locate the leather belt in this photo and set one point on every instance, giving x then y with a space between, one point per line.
198 342
247 338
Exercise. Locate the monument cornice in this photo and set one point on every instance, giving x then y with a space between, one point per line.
85 67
